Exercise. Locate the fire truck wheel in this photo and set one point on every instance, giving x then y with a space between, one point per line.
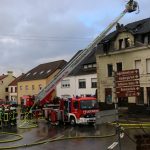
72 121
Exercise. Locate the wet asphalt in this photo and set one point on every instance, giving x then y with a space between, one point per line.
46 131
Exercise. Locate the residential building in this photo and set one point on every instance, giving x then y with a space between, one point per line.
13 89
37 78
82 81
128 47
5 80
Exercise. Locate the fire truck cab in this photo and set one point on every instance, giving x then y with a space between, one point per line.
27 101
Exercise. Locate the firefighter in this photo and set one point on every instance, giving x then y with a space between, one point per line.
6 116
13 116
132 6
1 118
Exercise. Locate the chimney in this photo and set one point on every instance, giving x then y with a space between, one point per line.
120 27
10 73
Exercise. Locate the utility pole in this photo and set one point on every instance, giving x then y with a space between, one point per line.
116 107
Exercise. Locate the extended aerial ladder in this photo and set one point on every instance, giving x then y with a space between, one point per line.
131 6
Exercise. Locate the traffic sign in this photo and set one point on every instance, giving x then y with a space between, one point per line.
128 94
128 83
127 75
128 72
127 89
127 78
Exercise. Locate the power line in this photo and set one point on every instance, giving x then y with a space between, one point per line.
44 37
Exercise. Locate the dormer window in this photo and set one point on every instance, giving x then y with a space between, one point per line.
49 71
90 66
28 74
34 73
85 66
41 72
127 42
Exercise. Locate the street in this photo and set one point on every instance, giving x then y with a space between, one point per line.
94 137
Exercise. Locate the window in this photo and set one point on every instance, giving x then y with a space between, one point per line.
94 82
94 65
49 71
41 72
15 89
6 89
85 66
75 105
33 87
120 43
11 89
110 70
82 83
20 87
140 99
138 65
90 66
65 84
119 66
34 73
146 39
40 86
148 65
108 95
28 74
26 87
127 42
148 95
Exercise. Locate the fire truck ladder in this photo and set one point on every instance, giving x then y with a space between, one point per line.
131 6
82 55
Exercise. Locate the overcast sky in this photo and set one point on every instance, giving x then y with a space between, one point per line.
39 31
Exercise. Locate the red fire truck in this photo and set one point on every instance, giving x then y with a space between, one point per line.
76 110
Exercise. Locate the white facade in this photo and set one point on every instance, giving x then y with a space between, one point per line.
70 87
12 93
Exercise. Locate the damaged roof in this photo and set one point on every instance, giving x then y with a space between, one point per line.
137 27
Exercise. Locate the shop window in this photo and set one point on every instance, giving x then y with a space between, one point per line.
108 95
148 95
140 99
